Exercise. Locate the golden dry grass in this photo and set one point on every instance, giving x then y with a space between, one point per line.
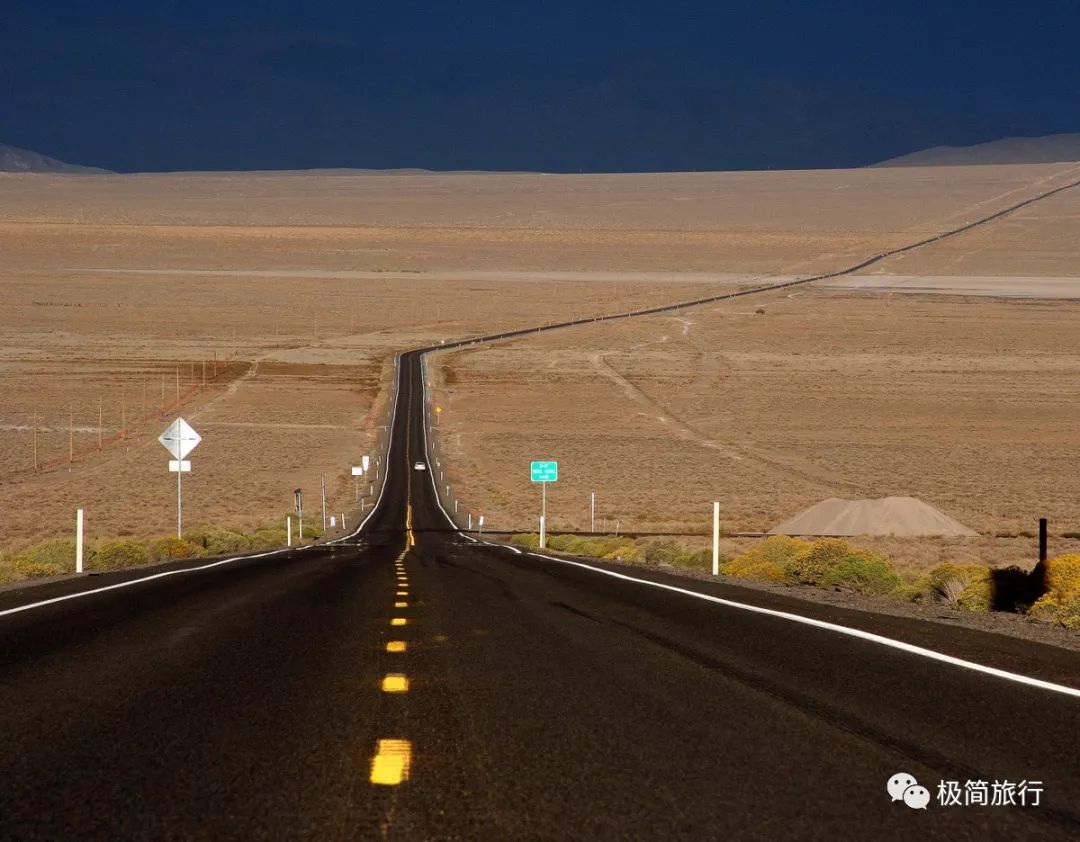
315 280
969 404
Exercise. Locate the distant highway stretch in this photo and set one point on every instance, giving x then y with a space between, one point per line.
414 683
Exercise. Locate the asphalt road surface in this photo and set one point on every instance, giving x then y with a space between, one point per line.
411 683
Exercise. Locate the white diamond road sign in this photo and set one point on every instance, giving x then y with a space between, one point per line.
544 471
180 439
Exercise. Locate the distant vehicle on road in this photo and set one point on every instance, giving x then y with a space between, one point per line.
419 466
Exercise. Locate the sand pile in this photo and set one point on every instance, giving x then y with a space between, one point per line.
902 516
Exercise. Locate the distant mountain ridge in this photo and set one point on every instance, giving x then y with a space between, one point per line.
1049 149
13 159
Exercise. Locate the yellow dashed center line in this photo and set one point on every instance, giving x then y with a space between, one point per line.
402 593
390 765
395 682
398 621
401 605
396 646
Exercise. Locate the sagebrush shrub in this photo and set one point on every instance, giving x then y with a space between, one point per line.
968 587
1061 602
863 572
811 565
172 547
49 558
116 554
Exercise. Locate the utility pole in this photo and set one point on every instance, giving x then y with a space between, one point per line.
592 513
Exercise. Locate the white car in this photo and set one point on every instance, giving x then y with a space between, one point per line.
419 466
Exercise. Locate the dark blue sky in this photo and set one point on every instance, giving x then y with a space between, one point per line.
546 85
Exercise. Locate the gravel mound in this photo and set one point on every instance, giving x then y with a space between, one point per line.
899 516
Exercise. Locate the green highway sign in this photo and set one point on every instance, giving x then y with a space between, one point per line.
544 471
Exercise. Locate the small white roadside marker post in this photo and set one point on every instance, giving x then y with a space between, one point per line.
592 513
470 521
481 524
78 540
343 520
716 538
288 531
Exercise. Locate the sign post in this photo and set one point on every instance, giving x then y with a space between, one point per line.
298 498
543 473
357 472
179 439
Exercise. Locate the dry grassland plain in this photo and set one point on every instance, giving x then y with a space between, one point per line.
315 280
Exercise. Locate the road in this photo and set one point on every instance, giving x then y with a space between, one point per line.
541 700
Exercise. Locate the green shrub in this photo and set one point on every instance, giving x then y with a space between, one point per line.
269 538
864 573
768 560
49 558
569 544
115 554
526 539
218 541
747 566
812 565
696 559
968 587
625 549
172 547
663 552
1061 602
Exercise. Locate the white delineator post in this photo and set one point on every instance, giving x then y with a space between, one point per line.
324 503
542 532
78 540
716 539
592 512
288 530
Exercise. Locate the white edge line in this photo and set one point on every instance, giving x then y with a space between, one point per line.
219 562
834 627
389 450
130 582
881 640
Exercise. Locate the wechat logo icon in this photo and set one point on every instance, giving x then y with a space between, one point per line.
904 787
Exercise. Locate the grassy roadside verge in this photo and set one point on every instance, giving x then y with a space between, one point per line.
1050 593
56 557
